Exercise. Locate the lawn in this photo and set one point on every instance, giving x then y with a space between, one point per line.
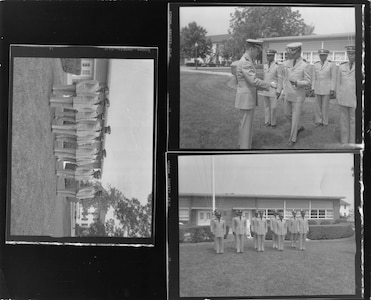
325 268
35 209
209 120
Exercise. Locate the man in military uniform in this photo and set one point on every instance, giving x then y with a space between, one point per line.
303 229
293 229
270 99
239 230
296 77
261 229
253 229
281 230
219 230
323 84
247 85
346 96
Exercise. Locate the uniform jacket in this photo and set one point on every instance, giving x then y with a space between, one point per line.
239 225
301 74
281 227
346 85
246 96
261 226
270 75
293 225
324 77
273 222
302 225
252 224
219 229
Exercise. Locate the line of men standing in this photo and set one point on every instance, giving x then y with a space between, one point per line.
297 227
290 81
79 130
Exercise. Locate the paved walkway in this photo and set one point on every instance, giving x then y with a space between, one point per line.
193 70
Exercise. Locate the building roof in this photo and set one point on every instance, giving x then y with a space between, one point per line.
310 37
342 202
219 37
283 197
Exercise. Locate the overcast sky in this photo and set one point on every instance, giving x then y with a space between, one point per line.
270 174
326 20
128 165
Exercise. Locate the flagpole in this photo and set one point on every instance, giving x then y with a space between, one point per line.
213 178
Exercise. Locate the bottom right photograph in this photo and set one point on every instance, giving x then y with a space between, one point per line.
258 225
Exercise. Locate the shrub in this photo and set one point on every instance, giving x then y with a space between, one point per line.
325 222
268 236
341 220
195 234
190 64
326 232
71 65
312 222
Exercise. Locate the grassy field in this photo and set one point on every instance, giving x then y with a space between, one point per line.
35 209
325 268
209 120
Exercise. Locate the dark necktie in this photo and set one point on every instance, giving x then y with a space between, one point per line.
294 63
269 65
350 66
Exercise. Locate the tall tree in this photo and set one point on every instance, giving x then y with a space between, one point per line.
265 21
189 36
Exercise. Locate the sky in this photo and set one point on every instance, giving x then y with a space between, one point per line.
326 20
129 161
327 174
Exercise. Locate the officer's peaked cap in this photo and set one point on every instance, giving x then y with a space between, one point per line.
270 51
351 48
258 43
323 51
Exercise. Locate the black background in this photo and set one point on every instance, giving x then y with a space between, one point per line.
73 272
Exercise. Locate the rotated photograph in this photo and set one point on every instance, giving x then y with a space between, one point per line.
82 146
268 77
267 225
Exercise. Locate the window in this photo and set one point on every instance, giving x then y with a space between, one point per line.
85 72
279 57
201 215
321 213
314 214
329 214
184 215
307 56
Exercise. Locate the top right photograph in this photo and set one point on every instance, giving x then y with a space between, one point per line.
269 77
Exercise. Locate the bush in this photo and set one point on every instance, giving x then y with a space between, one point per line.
327 232
195 234
325 222
190 64
341 220
312 222
71 65
211 65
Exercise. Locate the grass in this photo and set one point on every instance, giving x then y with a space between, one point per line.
209 120
325 268
35 209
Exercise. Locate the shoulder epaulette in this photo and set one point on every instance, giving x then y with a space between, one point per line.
317 62
344 62
329 60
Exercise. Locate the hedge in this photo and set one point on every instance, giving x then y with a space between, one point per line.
196 234
327 232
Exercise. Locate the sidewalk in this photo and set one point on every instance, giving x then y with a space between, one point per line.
199 70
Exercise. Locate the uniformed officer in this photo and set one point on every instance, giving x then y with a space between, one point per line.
270 99
281 230
323 84
247 85
293 229
261 229
297 77
303 229
273 221
346 96
253 229
219 230
239 230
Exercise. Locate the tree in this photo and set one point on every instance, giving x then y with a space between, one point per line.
265 21
189 36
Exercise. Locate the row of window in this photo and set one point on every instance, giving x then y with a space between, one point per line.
312 56
312 214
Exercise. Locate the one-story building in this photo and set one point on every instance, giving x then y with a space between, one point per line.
335 43
196 209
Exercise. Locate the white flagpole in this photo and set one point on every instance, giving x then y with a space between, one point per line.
213 182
